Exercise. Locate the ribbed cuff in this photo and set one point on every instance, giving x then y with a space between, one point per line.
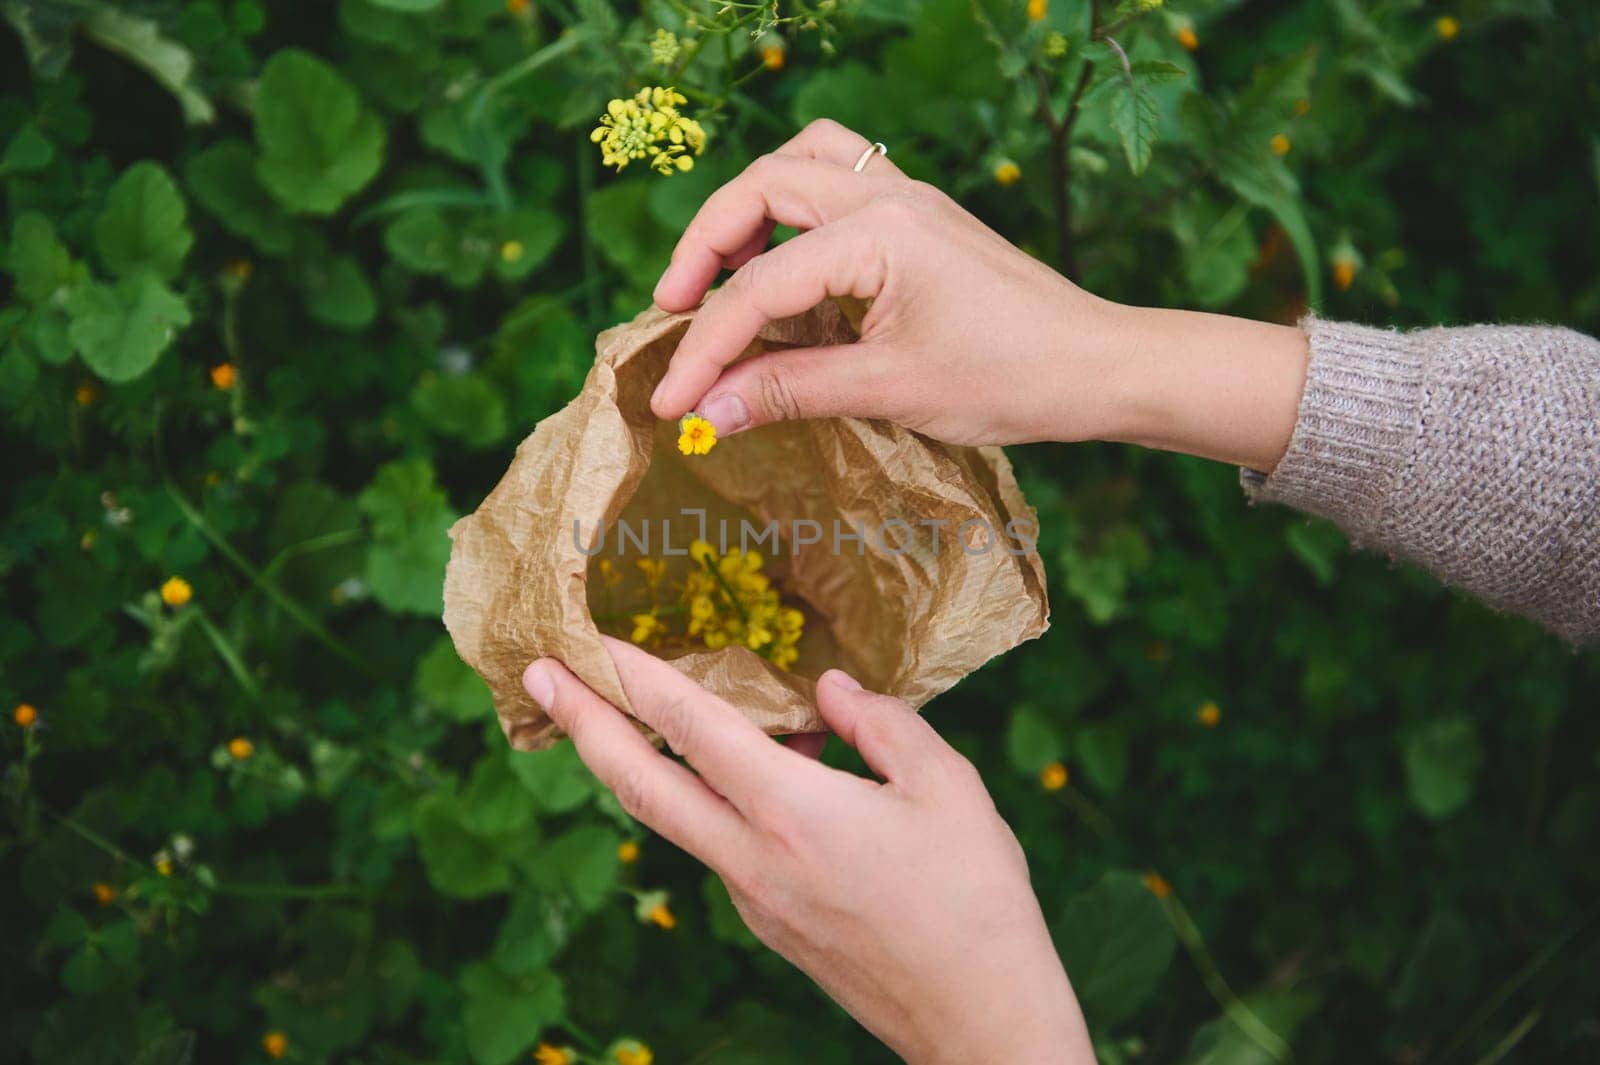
1357 426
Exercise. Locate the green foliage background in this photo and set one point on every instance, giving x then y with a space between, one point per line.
1386 850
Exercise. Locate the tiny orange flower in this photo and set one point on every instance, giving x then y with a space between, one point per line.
1157 885
518 7
241 748
276 1044
1344 274
627 852
1187 38
662 917
223 376
772 57
1038 9
1053 777
1280 144
176 592
85 395
1006 173
25 715
238 270
633 1052
545 1054
1448 28
104 893
1209 714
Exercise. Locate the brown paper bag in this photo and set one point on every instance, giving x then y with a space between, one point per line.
898 614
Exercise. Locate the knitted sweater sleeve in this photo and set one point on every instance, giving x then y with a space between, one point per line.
1473 452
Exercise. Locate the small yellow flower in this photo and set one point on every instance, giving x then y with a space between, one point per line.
608 573
511 251
627 852
1053 777
164 865
1157 884
664 48
223 376
238 270
1006 173
25 715
276 1044
654 570
176 592
1187 39
696 436
1302 107
1209 714
1344 274
633 1052
772 57
545 1054
648 125
518 8
661 916
240 748
104 893
1447 27
85 395
1038 9
1055 44
646 627
1279 144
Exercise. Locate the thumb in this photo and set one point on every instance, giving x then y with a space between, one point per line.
827 382
897 744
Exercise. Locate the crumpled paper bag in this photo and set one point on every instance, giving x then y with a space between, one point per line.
899 616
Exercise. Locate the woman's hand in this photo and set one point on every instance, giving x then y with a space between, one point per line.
968 339
907 901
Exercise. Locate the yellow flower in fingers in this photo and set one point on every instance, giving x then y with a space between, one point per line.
696 436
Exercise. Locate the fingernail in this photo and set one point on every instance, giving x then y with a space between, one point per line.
539 684
840 679
727 413
661 283
655 397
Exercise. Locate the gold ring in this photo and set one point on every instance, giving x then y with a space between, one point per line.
877 148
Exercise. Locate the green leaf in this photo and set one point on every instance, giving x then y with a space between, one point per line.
140 40
337 293
409 5
1225 1042
121 330
494 803
28 150
580 864
450 686
1134 116
1102 754
411 522
143 226
458 862
465 406
1442 763
1218 249
1117 943
535 929
1032 740
319 143
504 1015
38 262
556 777
223 180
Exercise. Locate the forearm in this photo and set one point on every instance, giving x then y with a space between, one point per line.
1207 384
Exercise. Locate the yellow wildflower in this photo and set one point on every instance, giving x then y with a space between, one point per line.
104 893
545 1054
661 916
238 270
664 48
1344 274
772 57
608 573
633 1052
163 864
1187 39
1209 714
648 125
1053 777
654 570
1055 45
223 376
25 715
511 251
646 627
1279 144
1038 9
696 436
1447 27
241 748
176 592
276 1044
518 8
1007 173
1302 107
1157 884
627 852
85 395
